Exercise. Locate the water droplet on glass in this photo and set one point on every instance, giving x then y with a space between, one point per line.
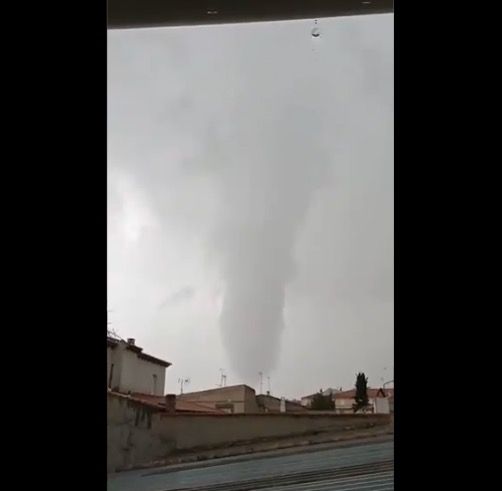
316 32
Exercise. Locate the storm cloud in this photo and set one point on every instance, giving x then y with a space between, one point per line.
263 161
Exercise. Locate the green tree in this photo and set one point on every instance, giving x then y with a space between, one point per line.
321 402
361 396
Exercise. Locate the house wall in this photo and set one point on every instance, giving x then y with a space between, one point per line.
382 405
138 434
137 375
343 404
134 374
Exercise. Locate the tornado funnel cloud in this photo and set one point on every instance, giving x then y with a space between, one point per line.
266 198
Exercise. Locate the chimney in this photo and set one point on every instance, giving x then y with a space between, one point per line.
170 403
131 341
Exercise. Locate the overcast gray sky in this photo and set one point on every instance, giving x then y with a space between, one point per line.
250 200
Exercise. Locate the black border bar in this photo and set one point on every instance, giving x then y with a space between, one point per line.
132 14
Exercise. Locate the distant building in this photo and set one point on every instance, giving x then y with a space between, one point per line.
379 401
231 399
240 399
271 404
306 401
129 369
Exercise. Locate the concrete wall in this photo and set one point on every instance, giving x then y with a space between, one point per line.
108 364
130 435
114 358
379 405
192 431
138 434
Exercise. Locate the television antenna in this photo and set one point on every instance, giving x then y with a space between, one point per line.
110 331
223 378
183 381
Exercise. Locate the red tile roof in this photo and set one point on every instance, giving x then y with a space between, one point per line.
150 398
217 390
195 407
181 406
145 402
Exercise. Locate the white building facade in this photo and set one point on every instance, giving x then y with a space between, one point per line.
131 370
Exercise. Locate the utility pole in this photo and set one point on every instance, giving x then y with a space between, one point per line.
261 382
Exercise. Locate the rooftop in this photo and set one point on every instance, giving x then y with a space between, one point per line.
159 403
114 342
217 389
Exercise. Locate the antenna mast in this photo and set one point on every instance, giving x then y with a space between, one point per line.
183 381
223 378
